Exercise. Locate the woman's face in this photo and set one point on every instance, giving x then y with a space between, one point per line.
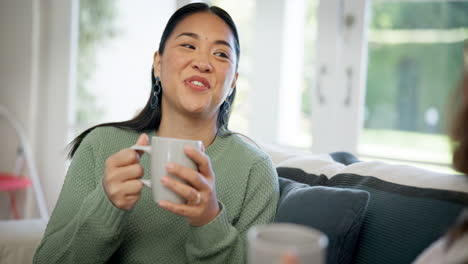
198 66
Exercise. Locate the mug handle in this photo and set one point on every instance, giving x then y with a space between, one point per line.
146 149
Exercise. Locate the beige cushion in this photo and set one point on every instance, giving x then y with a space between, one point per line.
408 175
318 164
19 239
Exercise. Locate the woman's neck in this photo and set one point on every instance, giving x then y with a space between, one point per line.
177 125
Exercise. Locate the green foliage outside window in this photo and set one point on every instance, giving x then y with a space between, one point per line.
420 70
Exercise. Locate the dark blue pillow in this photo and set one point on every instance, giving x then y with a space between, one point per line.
400 221
336 212
345 158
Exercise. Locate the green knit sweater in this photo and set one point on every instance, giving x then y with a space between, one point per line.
85 227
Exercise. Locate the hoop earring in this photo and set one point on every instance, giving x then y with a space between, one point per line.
227 107
156 91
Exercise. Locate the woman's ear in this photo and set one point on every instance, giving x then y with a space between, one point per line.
233 84
157 64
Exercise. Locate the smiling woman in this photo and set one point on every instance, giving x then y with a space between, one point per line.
198 66
103 213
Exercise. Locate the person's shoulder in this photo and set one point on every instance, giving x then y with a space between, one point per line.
111 133
251 156
111 138
247 148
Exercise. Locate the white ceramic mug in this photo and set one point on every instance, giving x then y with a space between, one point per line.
164 150
268 243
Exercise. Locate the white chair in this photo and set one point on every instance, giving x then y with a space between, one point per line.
19 238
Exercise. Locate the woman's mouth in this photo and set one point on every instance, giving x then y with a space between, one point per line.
197 83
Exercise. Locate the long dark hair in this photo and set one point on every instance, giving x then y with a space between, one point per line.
459 130
150 118
459 135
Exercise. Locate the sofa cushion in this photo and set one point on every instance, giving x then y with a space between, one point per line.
20 239
313 165
345 158
279 154
400 222
336 212
405 175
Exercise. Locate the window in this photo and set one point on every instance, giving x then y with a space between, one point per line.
413 51
116 46
415 64
243 16
310 49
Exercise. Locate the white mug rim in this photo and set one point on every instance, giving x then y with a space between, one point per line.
176 139
311 233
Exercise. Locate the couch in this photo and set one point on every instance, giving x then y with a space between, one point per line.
372 212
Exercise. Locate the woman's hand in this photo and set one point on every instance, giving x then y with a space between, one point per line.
122 175
200 188
289 258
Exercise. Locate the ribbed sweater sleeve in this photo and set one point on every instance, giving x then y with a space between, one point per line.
222 242
84 227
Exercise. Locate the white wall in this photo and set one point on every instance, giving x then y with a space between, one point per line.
37 70
16 55
16 47
267 61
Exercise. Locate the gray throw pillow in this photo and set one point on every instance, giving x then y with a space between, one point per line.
336 212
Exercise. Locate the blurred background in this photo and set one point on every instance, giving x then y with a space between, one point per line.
375 78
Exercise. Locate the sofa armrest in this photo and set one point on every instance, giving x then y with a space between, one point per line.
20 239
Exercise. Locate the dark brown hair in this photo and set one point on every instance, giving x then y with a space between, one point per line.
459 230
149 118
459 131
459 136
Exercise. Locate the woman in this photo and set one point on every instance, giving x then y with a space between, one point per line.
453 247
105 215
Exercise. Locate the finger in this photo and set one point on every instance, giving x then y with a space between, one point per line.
129 202
191 176
201 159
132 198
180 209
289 258
143 140
129 172
182 189
122 158
133 187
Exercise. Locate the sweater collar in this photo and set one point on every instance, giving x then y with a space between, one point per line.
217 146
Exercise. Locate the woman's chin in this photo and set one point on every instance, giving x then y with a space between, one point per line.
196 109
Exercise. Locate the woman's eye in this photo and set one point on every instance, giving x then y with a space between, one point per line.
188 46
222 54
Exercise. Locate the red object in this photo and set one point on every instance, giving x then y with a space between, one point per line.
10 182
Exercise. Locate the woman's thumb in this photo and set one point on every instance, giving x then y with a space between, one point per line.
143 140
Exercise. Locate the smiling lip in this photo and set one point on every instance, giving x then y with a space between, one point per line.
195 81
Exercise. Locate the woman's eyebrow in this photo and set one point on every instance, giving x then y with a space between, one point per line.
188 34
196 36
223 42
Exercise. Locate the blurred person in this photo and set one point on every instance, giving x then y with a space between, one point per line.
453 247
103 214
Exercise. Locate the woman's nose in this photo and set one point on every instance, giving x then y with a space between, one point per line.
202 64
